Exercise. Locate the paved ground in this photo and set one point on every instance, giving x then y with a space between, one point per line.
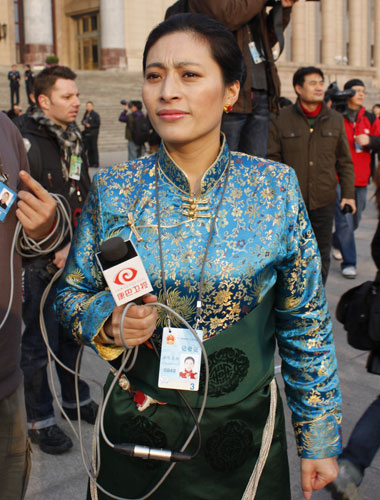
63 477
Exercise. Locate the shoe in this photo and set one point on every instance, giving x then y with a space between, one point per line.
51 439
337 254
345 486
88 412
349 272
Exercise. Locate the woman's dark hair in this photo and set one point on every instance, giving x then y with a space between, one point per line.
224 47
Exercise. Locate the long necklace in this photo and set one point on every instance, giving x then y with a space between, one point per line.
210 235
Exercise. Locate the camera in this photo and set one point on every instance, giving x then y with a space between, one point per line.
347 209
338 97
123 102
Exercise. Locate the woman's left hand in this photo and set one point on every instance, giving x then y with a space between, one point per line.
317 473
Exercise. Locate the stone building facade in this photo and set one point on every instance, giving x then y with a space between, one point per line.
337 35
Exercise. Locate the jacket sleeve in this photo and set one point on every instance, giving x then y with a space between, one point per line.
344 165
274 142
96 121
304 335
84 301
232 13
123 117
374 138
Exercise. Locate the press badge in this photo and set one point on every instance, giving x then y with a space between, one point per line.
180 361
7 198
256 57
75 167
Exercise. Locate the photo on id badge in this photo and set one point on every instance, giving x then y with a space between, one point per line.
7 198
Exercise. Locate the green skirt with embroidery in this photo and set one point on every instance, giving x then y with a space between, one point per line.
241 368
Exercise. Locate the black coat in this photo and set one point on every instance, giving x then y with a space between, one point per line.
93 119
14 79
44 157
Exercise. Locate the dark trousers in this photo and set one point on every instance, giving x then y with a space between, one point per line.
38 398
248 133
91 146
322 223
15 95
364 441
28 91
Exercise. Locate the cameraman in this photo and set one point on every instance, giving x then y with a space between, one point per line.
246 128
363 134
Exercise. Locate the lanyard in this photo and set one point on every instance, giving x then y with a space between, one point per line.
212 228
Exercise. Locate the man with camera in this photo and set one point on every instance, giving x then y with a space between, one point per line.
136 128
310 137
256 32
363 134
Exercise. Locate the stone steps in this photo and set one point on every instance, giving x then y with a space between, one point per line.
105 89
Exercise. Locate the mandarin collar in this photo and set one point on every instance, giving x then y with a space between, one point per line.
177 176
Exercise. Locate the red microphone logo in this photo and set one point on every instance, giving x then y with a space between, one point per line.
125 275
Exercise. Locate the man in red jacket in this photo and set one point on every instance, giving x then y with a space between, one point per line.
363 134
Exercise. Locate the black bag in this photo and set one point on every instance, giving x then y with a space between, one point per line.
140 129
359 311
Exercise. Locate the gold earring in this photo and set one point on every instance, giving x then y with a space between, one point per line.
227 108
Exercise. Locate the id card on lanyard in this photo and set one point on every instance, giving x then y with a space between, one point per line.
180 360
7 195
75 167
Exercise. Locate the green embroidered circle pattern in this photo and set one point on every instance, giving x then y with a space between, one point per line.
229 446
228 367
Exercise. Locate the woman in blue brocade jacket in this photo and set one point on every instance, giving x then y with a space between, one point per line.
243 218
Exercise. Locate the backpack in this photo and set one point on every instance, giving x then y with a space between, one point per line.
140 129
359 311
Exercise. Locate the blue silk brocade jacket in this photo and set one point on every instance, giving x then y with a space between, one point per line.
262 239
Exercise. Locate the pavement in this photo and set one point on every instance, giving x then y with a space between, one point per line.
63 477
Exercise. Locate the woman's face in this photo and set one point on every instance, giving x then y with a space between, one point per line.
184 91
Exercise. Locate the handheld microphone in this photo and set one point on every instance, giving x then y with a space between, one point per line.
123 270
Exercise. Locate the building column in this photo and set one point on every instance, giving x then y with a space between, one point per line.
377 40
311 30
355 33
113 54
38 28
364 4
298 33
340 18
328 31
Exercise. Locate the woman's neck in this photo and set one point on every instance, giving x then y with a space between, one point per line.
195 158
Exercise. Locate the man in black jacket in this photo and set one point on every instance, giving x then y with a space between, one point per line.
55 153
91 123
14 84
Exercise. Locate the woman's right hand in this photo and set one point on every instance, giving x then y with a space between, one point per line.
139 323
